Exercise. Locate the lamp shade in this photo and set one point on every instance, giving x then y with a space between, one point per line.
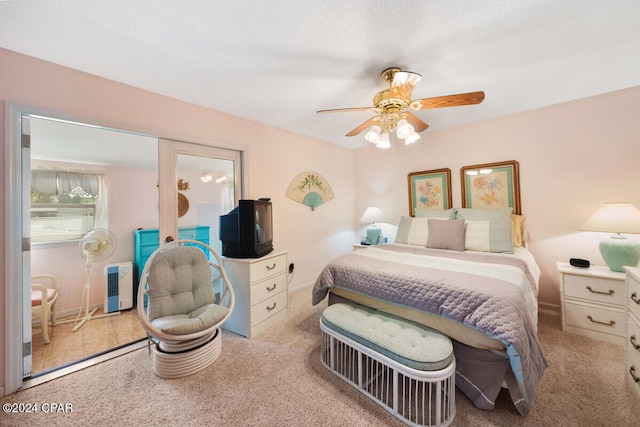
371 215
614 218
618 218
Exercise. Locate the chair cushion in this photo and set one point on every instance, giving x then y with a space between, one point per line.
196 321
179 284
36 297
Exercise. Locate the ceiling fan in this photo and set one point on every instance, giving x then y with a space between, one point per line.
391 106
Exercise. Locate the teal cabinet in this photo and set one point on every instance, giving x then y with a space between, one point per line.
147 241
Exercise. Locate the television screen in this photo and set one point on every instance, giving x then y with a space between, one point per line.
247 231
263 223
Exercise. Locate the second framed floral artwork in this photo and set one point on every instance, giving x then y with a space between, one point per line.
429 190
491 185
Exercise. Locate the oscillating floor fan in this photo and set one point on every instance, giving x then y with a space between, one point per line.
96 246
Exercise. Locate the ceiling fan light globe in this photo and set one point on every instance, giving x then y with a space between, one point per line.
384 142
373 136
404 129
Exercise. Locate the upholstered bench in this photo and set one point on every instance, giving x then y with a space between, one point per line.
407 368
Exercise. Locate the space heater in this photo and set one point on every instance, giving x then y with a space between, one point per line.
118 287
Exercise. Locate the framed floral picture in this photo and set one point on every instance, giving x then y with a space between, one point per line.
491 185
429 190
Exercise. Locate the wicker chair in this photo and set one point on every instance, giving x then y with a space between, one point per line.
183 300
43 301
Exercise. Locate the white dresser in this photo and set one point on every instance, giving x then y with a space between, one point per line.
260 286
633 330
593 302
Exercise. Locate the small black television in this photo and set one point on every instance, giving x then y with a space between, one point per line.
247 231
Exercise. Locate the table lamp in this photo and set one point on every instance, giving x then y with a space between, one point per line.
371 215
617 250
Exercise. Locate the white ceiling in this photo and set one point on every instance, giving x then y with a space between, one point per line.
279 61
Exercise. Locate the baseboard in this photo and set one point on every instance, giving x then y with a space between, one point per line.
549 307
301 287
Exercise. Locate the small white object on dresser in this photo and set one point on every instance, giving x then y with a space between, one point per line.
633 330
260 286
593 302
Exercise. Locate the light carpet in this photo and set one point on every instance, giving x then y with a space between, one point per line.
277 379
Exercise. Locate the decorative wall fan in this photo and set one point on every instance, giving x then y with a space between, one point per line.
391 107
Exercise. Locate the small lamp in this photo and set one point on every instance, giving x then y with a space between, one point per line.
371 215
618 218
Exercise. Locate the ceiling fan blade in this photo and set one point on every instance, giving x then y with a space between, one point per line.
448 101
403 84
418 125
340 110
372 121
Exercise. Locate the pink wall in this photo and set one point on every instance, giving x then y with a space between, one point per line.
274 156
573 157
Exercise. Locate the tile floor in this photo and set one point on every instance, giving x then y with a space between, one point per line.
94 337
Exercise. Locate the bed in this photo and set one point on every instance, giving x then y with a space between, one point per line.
484 297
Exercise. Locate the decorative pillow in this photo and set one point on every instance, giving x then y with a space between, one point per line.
430 213
492 237
476 236
414 231
446 234
517 231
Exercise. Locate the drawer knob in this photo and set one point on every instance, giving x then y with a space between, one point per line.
272 288
609 323
272 307
632 371
611 291
632 340
634 298
270 268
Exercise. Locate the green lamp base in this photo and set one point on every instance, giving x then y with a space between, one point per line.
373 234
618 251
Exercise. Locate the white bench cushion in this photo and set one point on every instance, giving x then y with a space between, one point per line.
411 344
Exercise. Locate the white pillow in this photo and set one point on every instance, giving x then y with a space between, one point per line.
476 236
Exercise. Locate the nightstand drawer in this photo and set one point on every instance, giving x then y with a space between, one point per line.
633 355
594 289
634 296
268 267
267 308
595 318
267 288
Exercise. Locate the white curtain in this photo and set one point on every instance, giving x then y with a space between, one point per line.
228 199
101 219
57 182
67 181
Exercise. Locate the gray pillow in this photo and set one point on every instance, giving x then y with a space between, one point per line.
488 230
446 234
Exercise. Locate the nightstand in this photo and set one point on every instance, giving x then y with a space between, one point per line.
360 246
632 338
593 302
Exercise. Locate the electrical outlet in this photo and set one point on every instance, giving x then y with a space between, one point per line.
290 268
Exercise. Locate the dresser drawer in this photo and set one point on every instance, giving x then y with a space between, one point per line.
200 234
268 267
595 318
594 289
267 308
633 355
267 288
634 296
